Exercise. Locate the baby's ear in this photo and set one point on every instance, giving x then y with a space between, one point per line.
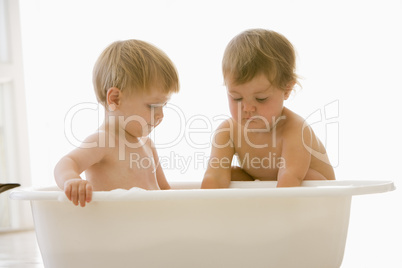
288 89
113 96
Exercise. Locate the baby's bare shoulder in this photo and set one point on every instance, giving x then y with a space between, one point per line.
223 135
96 136
90 151
95 140
226 129
298 129
227 124
294 123
100 143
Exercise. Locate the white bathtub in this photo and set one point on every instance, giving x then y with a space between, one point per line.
253 224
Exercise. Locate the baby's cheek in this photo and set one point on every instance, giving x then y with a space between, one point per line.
234 111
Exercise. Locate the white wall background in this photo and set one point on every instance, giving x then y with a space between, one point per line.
349 55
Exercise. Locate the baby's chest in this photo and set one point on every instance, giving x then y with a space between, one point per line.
128 161
136 168
140 159
259 158
260 161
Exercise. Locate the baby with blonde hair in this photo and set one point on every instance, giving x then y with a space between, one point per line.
133 80
270 141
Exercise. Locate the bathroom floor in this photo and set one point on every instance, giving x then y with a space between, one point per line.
19 250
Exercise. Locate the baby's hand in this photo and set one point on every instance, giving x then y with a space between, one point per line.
78 191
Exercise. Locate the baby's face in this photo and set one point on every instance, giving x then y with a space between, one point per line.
256 104
143 111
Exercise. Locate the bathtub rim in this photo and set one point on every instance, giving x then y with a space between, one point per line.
238 189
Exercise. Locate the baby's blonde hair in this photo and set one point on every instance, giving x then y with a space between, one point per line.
257 51
134 66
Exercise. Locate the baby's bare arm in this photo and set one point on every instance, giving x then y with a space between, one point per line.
67 172
297 157
218 174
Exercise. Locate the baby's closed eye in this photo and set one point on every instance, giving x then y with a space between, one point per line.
261 99
157 105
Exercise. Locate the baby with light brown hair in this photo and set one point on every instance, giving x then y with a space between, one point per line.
270 141
133 80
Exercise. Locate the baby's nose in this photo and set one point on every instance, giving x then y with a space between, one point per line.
248 107
159 115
